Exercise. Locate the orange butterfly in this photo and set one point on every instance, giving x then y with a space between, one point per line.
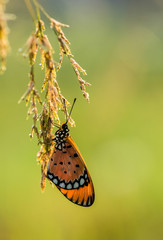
68 171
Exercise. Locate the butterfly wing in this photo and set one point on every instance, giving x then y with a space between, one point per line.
68 171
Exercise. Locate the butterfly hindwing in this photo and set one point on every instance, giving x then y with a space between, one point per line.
68 171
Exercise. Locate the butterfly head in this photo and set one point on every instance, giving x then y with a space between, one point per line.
64 127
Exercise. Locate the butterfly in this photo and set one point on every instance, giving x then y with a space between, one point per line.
68 171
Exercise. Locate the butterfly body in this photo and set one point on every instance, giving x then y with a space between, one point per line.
68 171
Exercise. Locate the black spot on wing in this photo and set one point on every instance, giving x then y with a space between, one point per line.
69 146
86 183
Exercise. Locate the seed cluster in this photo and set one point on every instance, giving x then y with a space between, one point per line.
53 100
4 31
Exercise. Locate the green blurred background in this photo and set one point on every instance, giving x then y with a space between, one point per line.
120 133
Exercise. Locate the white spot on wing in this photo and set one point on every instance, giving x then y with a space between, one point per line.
86 176
69 186
55 181
76 185
50 176
62 185
82 181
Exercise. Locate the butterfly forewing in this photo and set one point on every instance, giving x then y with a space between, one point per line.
68 171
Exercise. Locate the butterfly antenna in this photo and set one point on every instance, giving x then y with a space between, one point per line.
70 110
65 108
56 125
